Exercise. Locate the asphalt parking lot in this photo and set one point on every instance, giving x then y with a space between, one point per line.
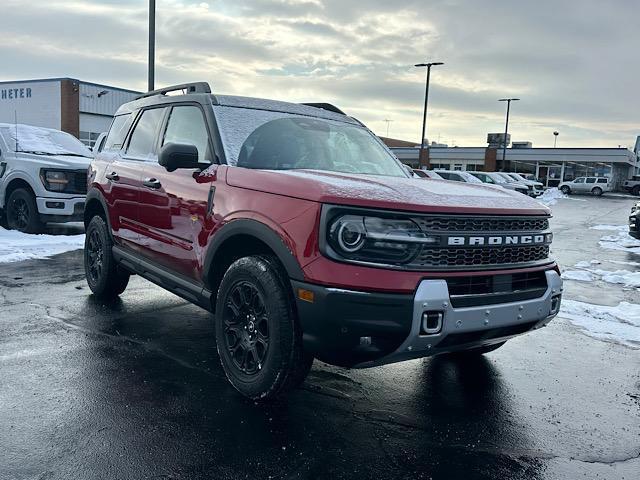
134 390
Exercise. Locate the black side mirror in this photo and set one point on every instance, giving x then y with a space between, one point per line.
178 155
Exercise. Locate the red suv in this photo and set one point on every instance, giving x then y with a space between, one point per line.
307 238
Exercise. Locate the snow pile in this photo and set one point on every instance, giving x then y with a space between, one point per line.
619 324
16 246
589 274
578 275
551 196
621 240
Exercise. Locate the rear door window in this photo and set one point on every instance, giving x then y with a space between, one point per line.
143 139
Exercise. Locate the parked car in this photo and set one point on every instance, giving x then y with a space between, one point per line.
633 185
535 188
97 147
458 176
594 185
308 239
634 221
43 176
427 174
494 178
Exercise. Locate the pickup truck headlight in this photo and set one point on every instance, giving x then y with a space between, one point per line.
376 239
54 180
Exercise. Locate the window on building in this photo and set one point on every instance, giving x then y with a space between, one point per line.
457 167
117 132
187 126
143 139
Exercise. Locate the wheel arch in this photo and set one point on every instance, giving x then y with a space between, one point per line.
13 185
240 238
95 204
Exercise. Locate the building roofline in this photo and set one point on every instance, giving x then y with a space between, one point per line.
58 79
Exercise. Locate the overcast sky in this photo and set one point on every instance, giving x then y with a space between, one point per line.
574 63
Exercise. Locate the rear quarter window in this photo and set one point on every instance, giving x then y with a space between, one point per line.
602 180
117 132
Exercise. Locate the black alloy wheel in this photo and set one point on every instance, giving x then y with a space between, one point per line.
246 327
95 256
22 212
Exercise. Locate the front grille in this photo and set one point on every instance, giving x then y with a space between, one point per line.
479 224
77 182
479 257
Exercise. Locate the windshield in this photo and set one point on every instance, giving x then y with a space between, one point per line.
270 140
43 141
469 178
497 178
505 177
483 177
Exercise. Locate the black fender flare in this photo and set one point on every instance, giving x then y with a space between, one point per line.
261 232
95 194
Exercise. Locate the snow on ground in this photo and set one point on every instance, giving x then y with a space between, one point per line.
16 246
551 196
619 324
578 275
587 273
621 240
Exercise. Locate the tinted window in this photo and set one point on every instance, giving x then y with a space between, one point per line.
602 180
445 175
186 125
117 132
591 180
143 138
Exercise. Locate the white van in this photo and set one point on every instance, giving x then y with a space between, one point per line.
43 176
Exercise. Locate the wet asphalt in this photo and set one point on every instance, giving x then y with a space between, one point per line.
134 390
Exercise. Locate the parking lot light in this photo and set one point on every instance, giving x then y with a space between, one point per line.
426 100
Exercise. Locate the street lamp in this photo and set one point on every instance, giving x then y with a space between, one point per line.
152 44
388 123
506 128
555 138
426 100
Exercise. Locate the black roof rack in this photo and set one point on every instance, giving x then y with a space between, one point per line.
195 87
325 106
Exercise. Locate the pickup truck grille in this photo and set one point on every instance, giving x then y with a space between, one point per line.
77 182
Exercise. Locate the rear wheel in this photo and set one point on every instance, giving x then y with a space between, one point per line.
257 333
597 191
636 190
105 278
472 352
565 189
22 212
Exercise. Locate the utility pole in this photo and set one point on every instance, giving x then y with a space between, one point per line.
426 101
388 122
506 129
152 45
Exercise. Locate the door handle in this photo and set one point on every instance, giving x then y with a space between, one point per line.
113 176
152 183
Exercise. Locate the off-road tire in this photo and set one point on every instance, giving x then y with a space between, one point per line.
566 190
597 191
472 352
22 212
106 279
636 190
254 308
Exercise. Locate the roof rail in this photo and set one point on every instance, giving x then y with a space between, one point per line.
325 106
195 87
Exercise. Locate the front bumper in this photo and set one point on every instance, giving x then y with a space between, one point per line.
61 209
361 329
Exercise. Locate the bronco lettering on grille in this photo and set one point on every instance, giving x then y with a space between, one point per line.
498 240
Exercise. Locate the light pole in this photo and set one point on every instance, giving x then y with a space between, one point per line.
426 100
388 122
506 128
152 44
555 138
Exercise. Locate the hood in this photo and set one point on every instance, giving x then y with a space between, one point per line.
65 162
394 193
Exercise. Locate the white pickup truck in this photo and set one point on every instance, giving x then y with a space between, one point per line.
43 176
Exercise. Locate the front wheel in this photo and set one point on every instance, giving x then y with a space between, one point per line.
22 212
258 337
105 278
566 190
597 191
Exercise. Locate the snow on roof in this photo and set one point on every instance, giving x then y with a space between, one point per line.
278 106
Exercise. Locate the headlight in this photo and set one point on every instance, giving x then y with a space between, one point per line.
376 239
55 181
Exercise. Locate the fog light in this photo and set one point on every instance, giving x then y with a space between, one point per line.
431 323
58 205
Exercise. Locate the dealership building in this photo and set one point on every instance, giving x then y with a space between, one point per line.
550 165
82 109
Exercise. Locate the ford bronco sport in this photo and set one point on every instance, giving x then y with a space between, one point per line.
308 239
